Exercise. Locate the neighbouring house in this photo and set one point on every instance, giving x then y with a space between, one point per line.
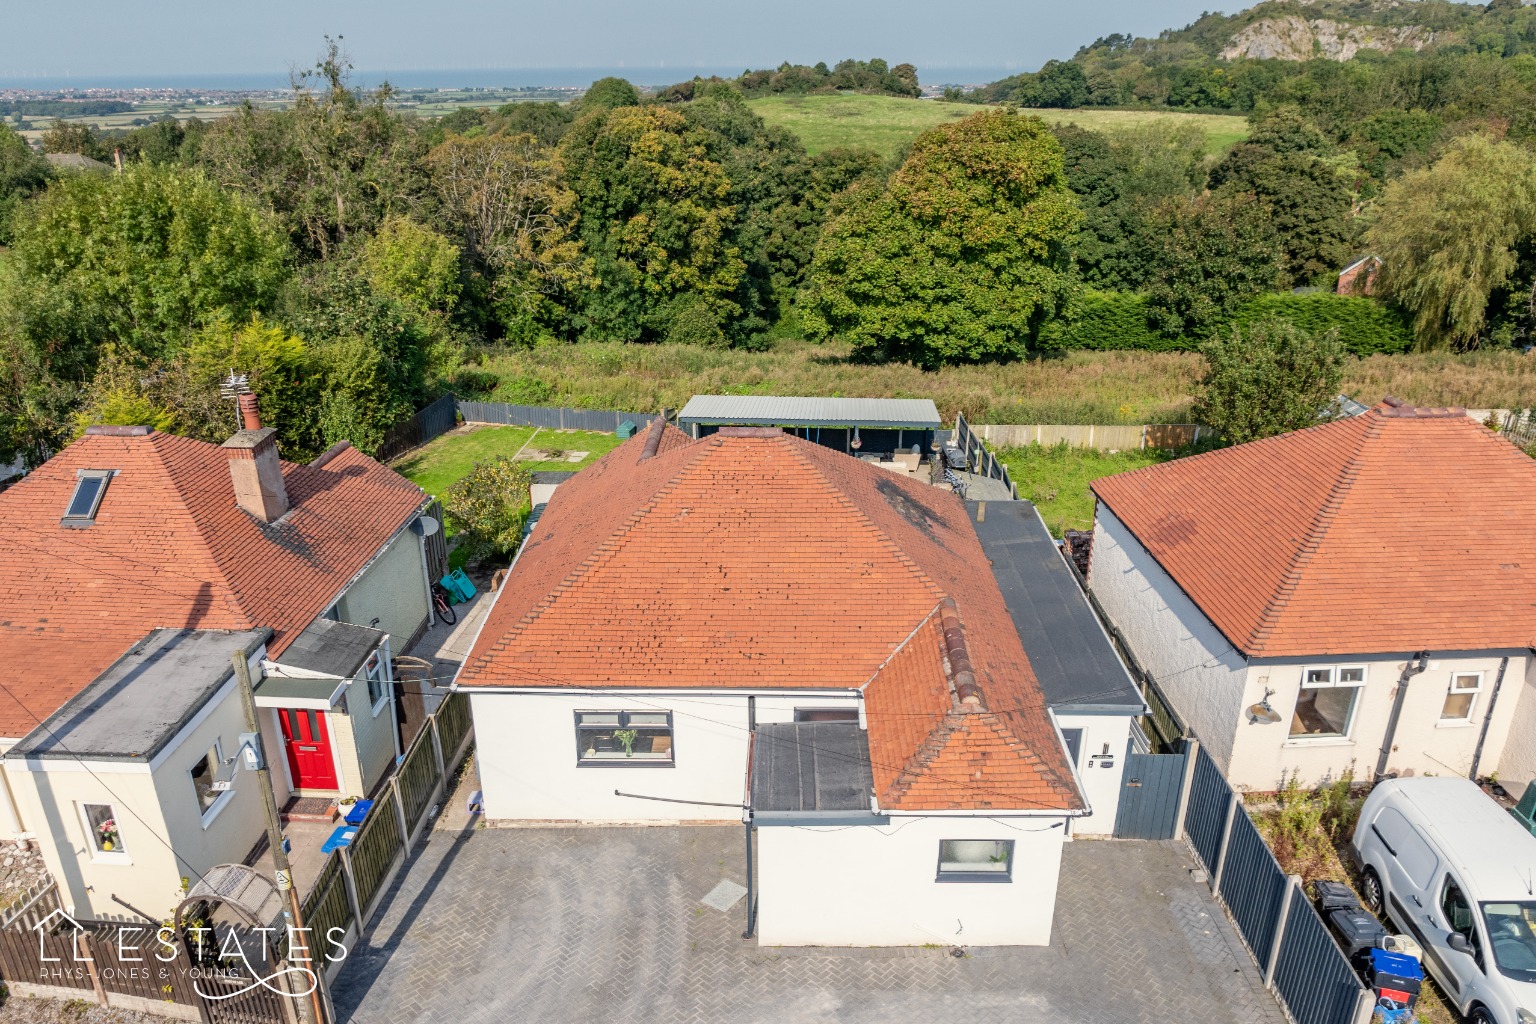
1353 596
134 564
1091 695
1359 278
77 162
753 627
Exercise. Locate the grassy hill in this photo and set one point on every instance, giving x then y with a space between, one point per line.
887 123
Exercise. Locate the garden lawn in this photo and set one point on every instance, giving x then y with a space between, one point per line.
1056 478
441 463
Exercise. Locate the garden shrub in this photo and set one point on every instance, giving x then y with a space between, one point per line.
1108 321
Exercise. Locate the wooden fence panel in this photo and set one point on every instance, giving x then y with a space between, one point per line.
375 848
453 722
417 778
327 907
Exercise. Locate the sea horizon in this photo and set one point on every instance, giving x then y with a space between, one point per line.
456 78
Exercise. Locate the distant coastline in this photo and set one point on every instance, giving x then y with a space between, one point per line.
451 78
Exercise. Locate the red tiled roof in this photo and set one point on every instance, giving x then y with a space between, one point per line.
1401 529
753 559
170 548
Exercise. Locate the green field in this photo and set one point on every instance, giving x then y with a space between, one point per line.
1056 479
440 464
887 123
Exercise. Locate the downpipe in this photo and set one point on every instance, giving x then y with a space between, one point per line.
1415 665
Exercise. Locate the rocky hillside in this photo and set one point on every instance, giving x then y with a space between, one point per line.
1295 38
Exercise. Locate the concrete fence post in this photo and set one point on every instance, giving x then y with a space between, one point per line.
349 882
405 831
437 745
1191 755
1226 839
1365 1006
1292 886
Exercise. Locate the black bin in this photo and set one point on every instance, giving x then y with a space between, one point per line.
1356 929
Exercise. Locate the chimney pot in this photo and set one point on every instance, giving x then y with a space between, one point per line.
250 414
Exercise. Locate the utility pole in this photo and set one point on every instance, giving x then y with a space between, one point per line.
310 1010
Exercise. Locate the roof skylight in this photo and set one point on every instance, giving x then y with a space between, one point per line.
90 486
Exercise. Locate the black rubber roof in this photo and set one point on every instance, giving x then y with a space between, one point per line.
810 768
1071 654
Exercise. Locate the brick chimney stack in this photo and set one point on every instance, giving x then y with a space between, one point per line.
254 467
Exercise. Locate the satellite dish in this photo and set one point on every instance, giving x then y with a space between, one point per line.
425 526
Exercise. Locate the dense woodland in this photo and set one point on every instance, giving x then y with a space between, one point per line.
354 260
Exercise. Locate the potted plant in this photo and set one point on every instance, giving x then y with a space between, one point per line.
626 739
108 833
345 805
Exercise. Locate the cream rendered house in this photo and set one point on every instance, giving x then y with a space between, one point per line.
1356 596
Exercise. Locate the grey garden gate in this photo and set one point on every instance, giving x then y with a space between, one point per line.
1149 796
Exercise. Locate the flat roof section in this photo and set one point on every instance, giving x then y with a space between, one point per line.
134 708
332 648
815 772
1071 654
785 411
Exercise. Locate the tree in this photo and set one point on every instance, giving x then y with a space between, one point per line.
22 174
488 507
68 137
1266 379
505 195
412 264
1214 252
333 166
142 258
607 94
657 221
1281 165
962 257
1448 235
544 121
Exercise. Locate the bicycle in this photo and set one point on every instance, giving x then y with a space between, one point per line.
444 608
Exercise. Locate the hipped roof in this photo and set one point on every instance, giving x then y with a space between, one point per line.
755 560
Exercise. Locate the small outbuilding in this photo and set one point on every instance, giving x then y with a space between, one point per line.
853 426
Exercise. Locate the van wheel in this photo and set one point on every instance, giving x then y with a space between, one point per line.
1370 888
1480 1016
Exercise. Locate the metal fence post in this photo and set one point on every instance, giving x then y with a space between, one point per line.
1293 883
1191 755
1226 838
349 882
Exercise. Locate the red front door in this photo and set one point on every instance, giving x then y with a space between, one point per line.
310 764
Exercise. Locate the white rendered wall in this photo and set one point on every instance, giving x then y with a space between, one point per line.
875 885
1264 753
1201 675
525 750
1517 766
1101 784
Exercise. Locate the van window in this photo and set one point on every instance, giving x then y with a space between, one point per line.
1404 842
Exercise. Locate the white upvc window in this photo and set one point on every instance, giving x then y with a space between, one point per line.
1326 705
1461 698
378 683
103 837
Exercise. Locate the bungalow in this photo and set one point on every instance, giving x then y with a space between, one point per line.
753 627
135 563
1356 595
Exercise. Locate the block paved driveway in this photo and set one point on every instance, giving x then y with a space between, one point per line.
568 926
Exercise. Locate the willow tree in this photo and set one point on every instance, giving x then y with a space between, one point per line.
1447 236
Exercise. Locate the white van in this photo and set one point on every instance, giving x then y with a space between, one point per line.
1446 864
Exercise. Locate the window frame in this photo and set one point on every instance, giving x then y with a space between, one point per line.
120 854
375 663
582 761
1006 875
81 521
1334 682
220 800
804 716
1452 690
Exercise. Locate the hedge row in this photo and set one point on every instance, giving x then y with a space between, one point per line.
1118 320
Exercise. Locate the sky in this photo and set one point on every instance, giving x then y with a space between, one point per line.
164 38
